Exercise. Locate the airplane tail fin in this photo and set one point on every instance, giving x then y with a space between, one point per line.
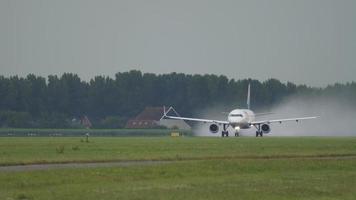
248 96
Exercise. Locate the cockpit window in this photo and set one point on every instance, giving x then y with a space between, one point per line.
236 115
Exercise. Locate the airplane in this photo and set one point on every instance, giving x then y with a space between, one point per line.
238 119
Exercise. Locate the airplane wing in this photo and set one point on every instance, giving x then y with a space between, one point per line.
196 119
281 120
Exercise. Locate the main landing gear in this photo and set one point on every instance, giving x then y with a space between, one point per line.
259 131
224 132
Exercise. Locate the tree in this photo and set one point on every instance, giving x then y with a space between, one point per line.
36 102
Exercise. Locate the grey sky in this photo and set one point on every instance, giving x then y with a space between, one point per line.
303 41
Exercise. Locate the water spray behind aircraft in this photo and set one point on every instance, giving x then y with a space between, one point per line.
238 119
336 117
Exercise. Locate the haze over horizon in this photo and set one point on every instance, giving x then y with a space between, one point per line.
305 42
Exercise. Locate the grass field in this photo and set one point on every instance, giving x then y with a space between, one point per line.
43 132
203 168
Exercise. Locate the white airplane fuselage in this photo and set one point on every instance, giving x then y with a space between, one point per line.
241 118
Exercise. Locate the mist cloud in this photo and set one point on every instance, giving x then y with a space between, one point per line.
336 117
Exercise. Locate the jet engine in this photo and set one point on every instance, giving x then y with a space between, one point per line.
214 128
265 128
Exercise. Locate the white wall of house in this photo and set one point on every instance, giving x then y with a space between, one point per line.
169 123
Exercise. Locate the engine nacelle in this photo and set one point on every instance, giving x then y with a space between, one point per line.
214 128
265 128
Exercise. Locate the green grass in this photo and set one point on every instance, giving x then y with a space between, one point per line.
43 149
214 179
206 168
38 132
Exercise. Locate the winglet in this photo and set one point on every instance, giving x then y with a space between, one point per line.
164 113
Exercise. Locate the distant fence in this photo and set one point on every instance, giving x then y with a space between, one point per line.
92 132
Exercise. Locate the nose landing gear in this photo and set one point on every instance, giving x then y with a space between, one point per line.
237 131
225 132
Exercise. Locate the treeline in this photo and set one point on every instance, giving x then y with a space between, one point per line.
56 102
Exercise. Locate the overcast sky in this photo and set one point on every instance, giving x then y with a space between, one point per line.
309 42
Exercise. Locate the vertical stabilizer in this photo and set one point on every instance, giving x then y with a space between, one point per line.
248 96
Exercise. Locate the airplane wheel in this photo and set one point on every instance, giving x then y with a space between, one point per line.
257 133
237 134
224 133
